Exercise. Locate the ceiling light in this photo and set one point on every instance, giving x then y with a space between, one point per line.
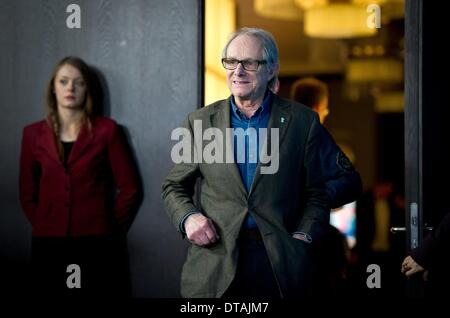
278 9
337 21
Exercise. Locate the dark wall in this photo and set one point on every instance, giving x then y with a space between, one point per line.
435 113
147 54
390 149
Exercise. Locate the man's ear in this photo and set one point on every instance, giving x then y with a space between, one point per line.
273 71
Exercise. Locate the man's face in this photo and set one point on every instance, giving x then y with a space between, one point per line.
243 84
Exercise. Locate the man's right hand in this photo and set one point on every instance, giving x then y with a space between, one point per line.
200 230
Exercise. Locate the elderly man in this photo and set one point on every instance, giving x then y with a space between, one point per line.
254 231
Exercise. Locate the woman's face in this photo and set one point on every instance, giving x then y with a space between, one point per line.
70 88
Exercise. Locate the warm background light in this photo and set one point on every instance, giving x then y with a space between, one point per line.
220 22
389 102
388 70
369 2
308 4
337 21
278 9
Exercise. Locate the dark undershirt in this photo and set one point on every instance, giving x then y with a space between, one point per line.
67 147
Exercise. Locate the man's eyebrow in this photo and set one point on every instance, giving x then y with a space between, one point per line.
248 58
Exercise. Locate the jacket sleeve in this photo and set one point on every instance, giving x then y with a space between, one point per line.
179 186
126 182
342 181
316 212
29 176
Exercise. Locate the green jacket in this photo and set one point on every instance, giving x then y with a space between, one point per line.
292 199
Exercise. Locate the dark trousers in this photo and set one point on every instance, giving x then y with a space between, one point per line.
102 260
254 275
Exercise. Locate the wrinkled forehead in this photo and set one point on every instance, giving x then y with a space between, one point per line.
245 47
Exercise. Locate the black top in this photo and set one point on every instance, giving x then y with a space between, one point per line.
434 249
67 147
433 255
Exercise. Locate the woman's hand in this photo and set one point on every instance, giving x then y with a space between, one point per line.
410 267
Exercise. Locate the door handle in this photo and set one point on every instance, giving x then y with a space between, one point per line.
399 229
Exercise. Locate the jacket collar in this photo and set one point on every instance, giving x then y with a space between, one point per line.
220 118
280 118
85 137
47 140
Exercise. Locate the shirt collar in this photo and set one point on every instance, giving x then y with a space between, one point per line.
262 110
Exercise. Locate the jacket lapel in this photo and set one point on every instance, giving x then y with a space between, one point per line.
85 137
221 119
48 142
280 118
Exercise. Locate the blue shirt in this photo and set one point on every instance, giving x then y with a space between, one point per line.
246 155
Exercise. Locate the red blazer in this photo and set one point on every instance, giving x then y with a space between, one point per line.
79 200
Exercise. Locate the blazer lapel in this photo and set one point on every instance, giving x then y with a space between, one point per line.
48 142
279 119
85 137
221 120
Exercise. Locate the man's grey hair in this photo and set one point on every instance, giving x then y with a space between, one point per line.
270 49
